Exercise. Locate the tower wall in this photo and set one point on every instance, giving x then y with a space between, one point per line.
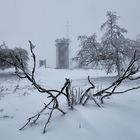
62 54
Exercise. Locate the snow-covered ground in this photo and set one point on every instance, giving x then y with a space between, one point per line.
118 119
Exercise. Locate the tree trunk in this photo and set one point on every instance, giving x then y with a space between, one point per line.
118 69
118 63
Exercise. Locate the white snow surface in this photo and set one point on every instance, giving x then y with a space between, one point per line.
117 119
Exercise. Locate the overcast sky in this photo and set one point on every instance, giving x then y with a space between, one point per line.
42 21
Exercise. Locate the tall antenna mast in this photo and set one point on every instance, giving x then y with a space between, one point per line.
67 29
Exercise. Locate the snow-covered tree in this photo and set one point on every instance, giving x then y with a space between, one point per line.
5 53
134 45
22 54
89 50
3 45
10 55
113 44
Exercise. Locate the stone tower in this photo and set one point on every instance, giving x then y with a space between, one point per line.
62 53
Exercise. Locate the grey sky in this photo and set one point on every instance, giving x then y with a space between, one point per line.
42 21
